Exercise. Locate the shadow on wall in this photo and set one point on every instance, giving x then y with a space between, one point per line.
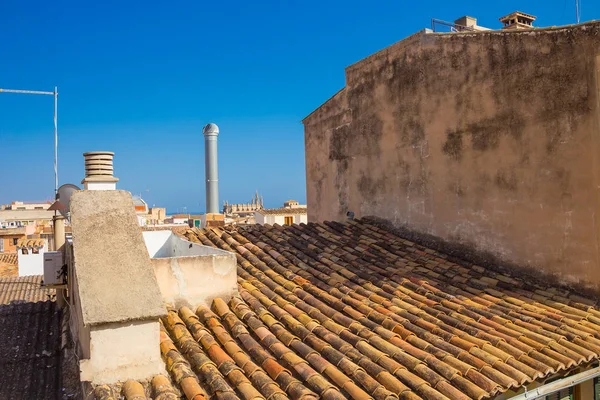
467 255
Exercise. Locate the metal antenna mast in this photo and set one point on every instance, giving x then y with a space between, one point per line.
55 94
577 10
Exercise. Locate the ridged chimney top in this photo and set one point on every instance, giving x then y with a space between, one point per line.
99 167
98 153
210 129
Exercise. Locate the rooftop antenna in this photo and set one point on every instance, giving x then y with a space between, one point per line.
55 94
577 10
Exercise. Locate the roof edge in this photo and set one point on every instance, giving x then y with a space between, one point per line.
325 102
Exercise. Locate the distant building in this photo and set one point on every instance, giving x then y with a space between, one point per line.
293 204
141 207
184 219
13 218
47 233
210 220
30 253
243 209
291 213
148 215
9 237
157 215
22 205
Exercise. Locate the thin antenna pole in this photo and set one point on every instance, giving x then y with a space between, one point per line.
55 140
577 10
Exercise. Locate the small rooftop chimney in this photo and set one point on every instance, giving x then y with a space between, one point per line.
210 132
99 171
518 20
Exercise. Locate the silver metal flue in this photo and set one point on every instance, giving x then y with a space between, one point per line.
211 131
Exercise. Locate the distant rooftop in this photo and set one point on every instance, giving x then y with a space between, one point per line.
283 211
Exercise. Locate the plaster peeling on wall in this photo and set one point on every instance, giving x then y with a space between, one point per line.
178 274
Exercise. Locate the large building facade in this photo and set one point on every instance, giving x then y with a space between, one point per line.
487 140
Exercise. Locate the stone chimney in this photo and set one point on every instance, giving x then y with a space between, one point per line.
518 20
99 171
115 300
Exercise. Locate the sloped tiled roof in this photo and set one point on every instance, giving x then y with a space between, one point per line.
30 351
21 289
8 258
351 310
33 345
282 211
9 265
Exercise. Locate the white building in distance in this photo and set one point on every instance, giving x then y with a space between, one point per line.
291 213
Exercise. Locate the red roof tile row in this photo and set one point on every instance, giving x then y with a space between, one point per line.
351 310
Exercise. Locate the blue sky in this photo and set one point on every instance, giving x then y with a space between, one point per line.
142 78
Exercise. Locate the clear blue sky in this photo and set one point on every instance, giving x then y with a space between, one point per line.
142 78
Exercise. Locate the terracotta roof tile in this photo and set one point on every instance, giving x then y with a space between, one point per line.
8 258
31 242
30 351
282 211
8 265
24 289
351 310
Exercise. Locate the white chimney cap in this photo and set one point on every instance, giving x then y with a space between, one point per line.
210 129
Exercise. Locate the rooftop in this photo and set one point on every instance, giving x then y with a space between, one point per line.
283 211
338 310
9 264
32 358
12 231
23 289
185 216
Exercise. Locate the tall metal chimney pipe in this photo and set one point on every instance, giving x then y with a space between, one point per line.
210 132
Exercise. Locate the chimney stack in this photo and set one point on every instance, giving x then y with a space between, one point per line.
211 131
99 171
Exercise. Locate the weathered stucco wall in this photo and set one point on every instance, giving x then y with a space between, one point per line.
123 351
488 140
188 273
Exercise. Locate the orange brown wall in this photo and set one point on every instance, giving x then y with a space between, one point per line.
487 140
9 247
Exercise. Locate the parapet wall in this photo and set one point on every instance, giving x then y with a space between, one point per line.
487 140
188 273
